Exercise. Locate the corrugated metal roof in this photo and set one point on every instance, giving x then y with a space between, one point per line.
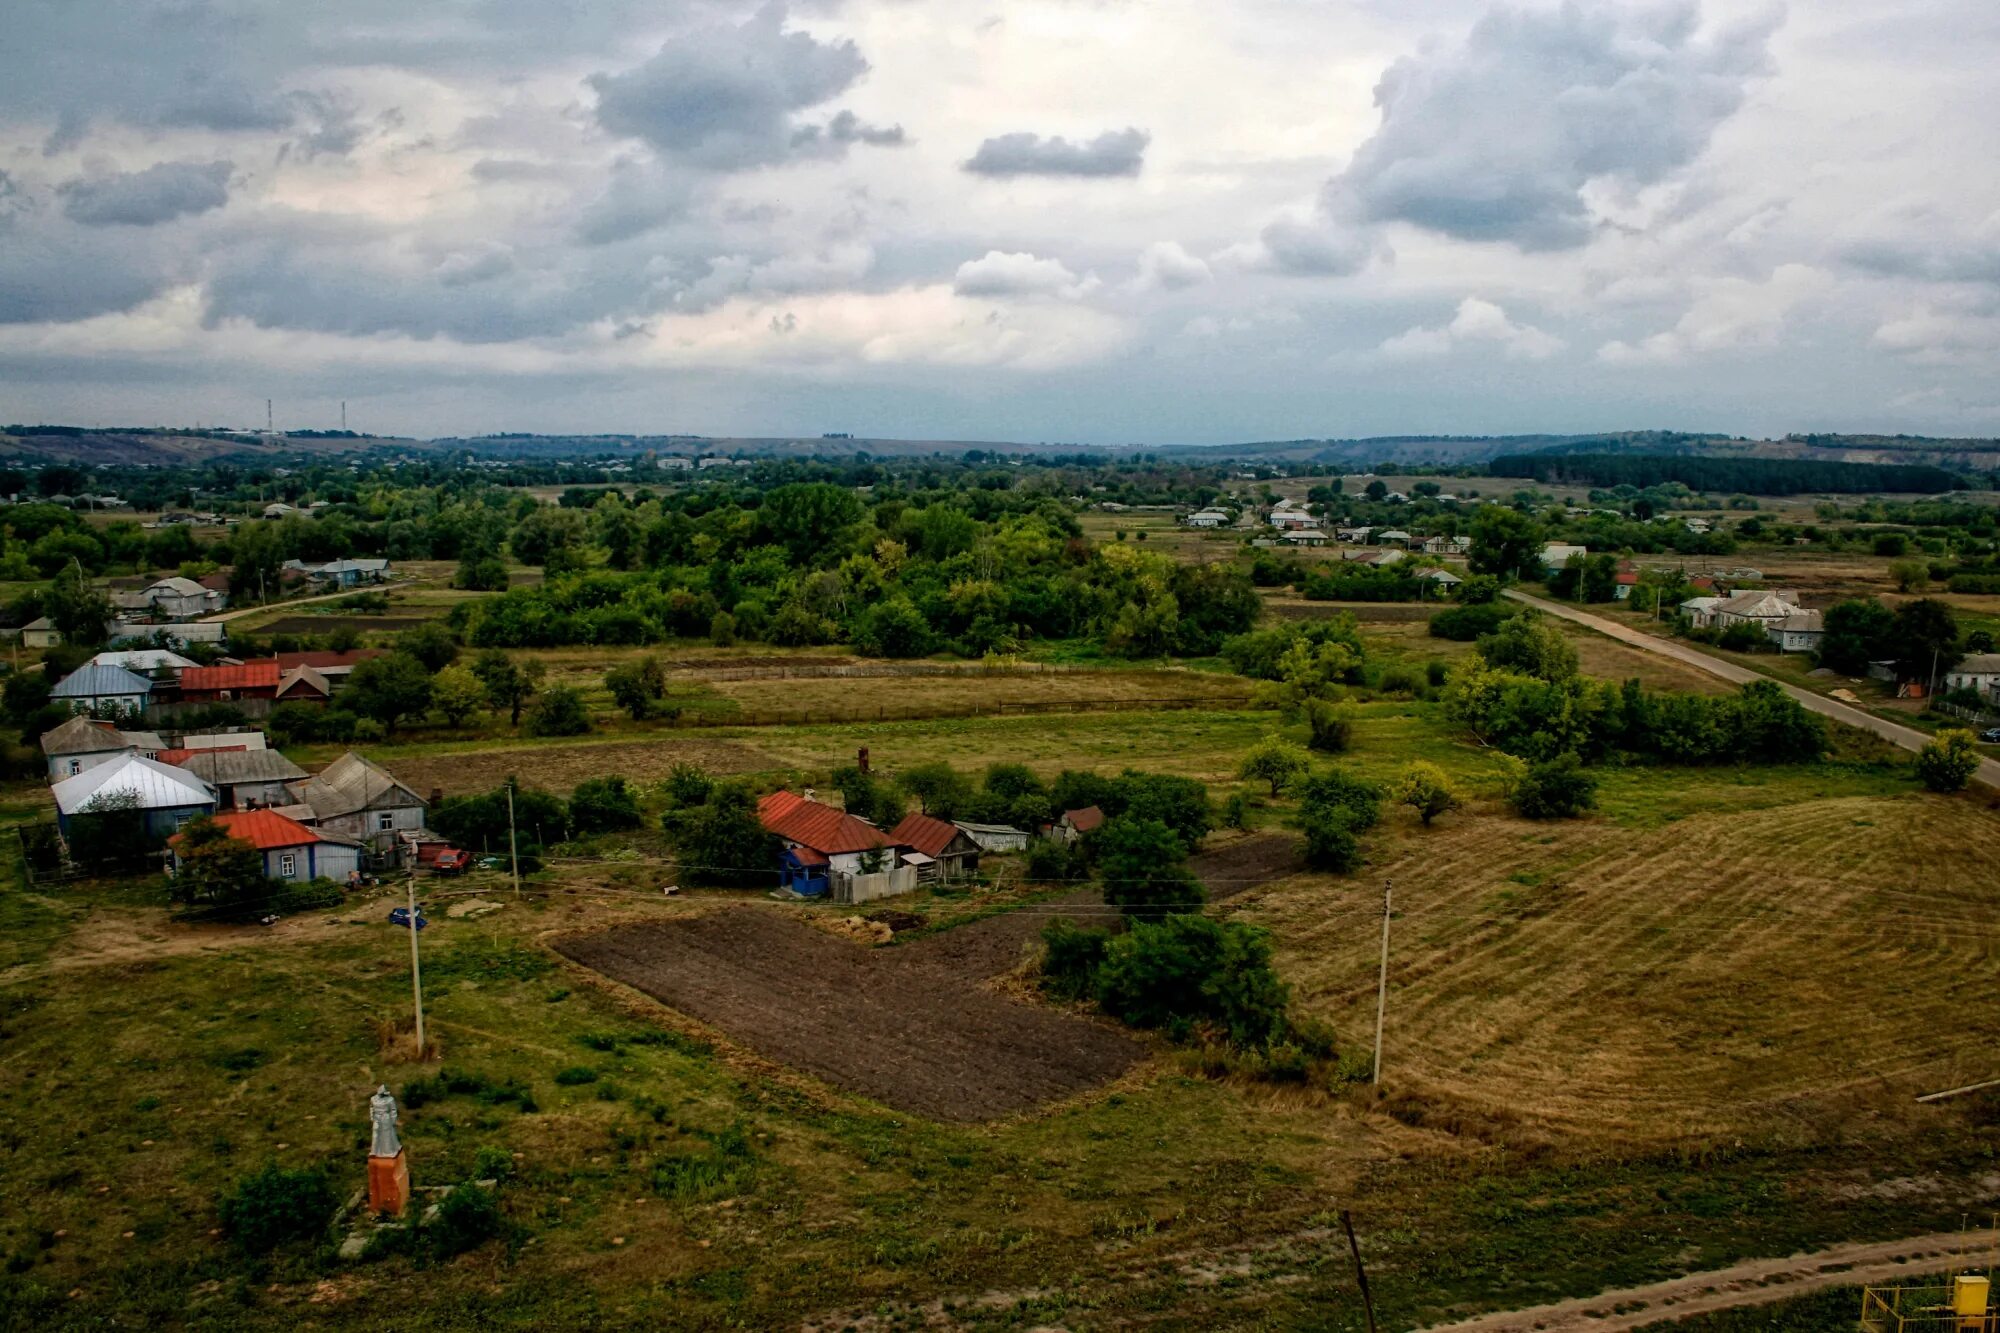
82 735
266 830
820 827
95 680
349 784
157 786
247 676
143 659
1084 820
927 834
228 767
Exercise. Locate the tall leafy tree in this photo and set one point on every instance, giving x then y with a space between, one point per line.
1505 543
389 689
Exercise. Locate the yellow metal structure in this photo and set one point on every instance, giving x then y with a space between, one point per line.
1956 1305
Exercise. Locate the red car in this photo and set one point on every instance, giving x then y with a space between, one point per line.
442 858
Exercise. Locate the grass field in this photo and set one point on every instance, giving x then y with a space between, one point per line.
1681 1032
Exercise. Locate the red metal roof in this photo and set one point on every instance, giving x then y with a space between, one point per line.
179 758
1628 578
1084 820
820 827
247 676
262 829
927 834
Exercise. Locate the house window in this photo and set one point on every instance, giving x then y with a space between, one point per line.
75 767
385 821
288 864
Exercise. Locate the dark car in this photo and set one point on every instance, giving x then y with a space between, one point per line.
1991 734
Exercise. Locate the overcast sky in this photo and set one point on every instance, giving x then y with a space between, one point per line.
1090 220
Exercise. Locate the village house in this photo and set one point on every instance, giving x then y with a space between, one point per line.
1393 537
1555 555
938 848
1763 607
227 684
354 797
159 665
102 689
342 573
1799 632
1206 518
84 742
242 778
1354 536
1292 519
1446 545
165 796
821 845
1442 578
40 632
1305 537
1622 589
1979 672
1075 823
291 851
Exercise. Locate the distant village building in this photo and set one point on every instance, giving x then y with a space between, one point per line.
95 688
821 844
84 742
1556 555
996 837
1979 672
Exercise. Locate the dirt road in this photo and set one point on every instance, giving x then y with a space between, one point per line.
1907 737
1758 1282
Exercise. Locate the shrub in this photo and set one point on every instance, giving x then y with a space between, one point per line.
1948 760
1743 637
1333 790
1330 841
491 1163
1189 969
559 711
1236 811
1891 544
273 1206
1071 956
687 784
1053 861
1425 788
600 805
722 1168
575 1076
1329 726
1463 624
466 1218
1397 679
1142 864
1435 672
1558 788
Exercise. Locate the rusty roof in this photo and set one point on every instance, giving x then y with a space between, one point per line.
820 827
926 833
246 676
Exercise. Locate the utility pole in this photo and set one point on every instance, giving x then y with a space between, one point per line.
513 842
416 969
1382 982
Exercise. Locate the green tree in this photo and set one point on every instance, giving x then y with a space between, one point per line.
481 573
1948 760
941 790
1558 788
1189 969
600 805
1329 726
430 643
273 1206
457 694
1857 632
558 711
893 628
258 556
1331 841
551 537
508 684
1925 637
213 869
1276 761
1505 543
1910 575
388 689
1143 863
811 519
80 613
721 841
1531 645
638 686
1425 788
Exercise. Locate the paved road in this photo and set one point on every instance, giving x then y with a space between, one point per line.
1895 733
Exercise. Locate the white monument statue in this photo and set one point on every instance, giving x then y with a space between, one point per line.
382 1112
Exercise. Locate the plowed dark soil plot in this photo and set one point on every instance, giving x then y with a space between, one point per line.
1242 866
893 1024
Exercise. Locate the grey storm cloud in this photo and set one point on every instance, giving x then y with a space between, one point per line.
50 271
1495 139
1929 247
160 193
1112 153
1319 247
725 96
847 128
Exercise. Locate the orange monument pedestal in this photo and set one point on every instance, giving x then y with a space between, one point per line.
388 1168
389 1184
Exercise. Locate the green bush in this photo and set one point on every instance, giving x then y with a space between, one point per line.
723 1168
1143 864
467 1218
600 805
1743 637
1335 791
1329 726
1558 788
1053 861
1071 956
1948 760
1331 844
575 1075
272 1206
558 711
1463 624
686 784
1188 969
491 1163
458 1083
1397 679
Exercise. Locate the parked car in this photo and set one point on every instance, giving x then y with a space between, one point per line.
1991 735
442 858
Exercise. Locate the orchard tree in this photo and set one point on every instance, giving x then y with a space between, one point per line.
1948 760
457 694
389 689
508 684
214 869
1505 543
1276 761
1144 867
638 686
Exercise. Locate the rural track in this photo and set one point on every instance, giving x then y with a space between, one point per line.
1755 1282
1909 738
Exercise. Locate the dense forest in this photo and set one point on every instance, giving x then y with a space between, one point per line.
1746 476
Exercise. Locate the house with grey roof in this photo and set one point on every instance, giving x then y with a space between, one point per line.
84 742
1980 672
244 779
360 799
102 688
165 796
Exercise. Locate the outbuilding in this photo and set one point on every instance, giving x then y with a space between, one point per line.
354 797
952 852
243 778
291 851
995 837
